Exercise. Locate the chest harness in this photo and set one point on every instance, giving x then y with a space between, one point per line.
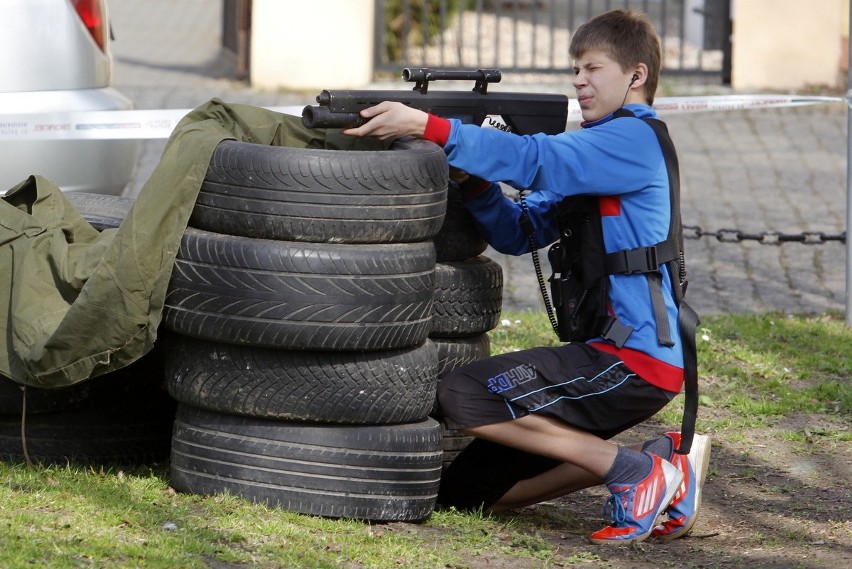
578 306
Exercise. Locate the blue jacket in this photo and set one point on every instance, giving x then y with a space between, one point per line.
618 159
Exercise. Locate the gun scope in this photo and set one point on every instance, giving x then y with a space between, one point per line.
425 74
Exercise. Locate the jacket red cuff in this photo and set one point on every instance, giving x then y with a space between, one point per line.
437 130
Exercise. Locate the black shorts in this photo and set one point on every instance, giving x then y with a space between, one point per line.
586 388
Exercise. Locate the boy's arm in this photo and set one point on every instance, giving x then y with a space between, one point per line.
498 218
496 215
391 120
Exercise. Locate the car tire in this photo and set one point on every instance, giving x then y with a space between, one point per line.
144 374
281 294
39 400
456 352
458 238
381 473
468 297
315 195
452 443
130 430
350 387
100 210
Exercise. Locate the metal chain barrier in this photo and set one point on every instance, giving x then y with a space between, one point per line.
765 237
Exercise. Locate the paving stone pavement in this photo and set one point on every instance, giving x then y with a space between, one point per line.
761 170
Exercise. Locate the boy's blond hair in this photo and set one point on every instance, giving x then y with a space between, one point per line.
628 37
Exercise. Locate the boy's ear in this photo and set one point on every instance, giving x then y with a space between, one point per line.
640 73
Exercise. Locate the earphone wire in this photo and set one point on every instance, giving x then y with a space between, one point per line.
632 81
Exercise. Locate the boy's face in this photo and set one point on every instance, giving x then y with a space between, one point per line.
601 85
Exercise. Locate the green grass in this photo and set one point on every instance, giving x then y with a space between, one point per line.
765 368
66 517
755 371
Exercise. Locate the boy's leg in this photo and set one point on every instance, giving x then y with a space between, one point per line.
560 481
551 438
558 403
495 478
534 480
641 488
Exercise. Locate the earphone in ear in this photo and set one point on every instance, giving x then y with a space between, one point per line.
630 86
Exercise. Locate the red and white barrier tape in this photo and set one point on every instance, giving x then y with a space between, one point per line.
158 124
699 104
100 125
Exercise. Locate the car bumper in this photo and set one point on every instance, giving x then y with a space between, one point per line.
96 166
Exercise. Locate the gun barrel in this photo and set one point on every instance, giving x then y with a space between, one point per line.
322 117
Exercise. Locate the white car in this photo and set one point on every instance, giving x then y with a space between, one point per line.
56 59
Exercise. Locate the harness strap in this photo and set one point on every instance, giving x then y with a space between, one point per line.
647 260
687 322
641 259
658 304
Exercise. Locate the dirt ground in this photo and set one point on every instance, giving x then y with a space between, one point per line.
768 502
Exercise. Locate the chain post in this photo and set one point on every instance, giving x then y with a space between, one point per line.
849 179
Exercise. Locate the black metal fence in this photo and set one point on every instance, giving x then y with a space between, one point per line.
532 36
236 32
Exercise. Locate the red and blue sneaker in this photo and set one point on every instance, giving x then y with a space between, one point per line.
634 507
683 511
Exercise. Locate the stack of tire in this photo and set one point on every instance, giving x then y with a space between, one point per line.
300 308
317 298
468 303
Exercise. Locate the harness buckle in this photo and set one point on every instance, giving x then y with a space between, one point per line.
641 260
616 332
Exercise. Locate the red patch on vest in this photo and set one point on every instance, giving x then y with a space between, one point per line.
610 206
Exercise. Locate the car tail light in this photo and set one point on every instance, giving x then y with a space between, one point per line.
92 14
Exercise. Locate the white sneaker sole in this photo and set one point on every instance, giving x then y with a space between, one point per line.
699 456
674 478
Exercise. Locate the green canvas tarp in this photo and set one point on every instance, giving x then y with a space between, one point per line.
78 303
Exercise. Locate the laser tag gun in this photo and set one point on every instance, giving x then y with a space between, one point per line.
521 113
